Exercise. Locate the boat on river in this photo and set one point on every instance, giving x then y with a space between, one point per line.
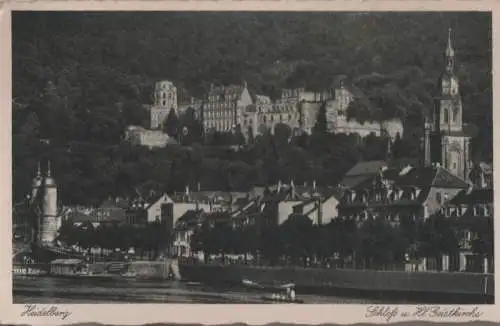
267 286
280 292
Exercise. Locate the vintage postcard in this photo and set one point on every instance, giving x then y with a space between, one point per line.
232 162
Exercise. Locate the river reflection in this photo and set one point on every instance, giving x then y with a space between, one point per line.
29 289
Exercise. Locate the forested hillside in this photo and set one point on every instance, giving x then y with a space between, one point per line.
84 76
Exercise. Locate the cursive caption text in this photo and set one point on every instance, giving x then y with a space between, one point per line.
389 313
51 311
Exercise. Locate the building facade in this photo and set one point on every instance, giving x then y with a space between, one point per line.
224 107
409 194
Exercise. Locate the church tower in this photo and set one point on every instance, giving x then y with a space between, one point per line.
451 144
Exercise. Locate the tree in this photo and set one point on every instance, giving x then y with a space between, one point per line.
298 233
380 244
437 237
171 125
397 149
321 127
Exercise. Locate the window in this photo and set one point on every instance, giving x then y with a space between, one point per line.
446 115
439 199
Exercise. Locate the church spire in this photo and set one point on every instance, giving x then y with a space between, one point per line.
38 170
450 53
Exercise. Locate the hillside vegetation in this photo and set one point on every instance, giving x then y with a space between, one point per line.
84 76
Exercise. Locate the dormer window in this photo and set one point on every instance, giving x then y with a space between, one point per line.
353 196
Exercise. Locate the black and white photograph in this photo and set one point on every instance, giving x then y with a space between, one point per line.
252 157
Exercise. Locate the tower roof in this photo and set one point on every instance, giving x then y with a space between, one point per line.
37 180
450 52
49 181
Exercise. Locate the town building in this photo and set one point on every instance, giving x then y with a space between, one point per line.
411 193
283 200
472 213
147 209
184 229
446 139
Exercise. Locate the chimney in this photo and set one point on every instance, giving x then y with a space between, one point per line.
279 185
292 185
314 185
199 186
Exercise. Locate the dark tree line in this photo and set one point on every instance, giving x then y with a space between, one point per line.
374 244
149 241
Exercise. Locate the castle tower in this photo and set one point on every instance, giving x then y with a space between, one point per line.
50 222
448 138
165 99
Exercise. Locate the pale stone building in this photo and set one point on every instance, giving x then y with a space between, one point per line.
149 138
224 107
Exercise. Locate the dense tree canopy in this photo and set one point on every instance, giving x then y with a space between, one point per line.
80 78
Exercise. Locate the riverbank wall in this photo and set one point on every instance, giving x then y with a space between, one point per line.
464 287
163 269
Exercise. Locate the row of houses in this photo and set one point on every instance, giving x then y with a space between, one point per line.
370 190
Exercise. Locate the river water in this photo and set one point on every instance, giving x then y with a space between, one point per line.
41 289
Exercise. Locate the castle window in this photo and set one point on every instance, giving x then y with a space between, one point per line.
446 115
455 115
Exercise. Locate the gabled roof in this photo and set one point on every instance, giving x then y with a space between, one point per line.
361 172
473 196
110 203
366 167
416 180
190 219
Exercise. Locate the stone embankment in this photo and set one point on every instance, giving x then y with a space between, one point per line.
467 286
162 269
